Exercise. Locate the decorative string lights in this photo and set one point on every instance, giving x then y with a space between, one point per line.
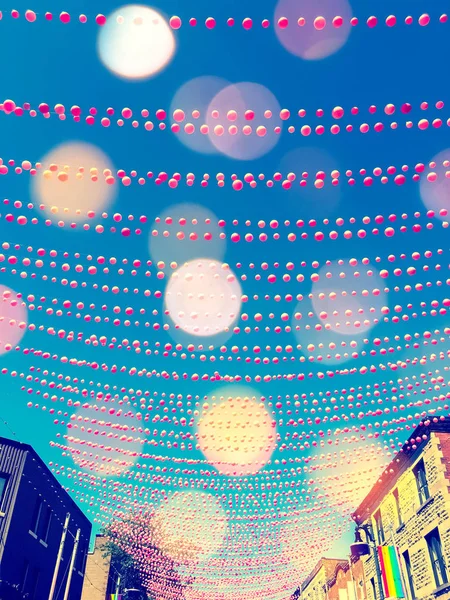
222 379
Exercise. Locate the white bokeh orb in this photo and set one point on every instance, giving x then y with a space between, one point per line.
235 432
107 446
136 42
13 319
435 185
239 123
190 526
307 41
77 185
203 297
194 98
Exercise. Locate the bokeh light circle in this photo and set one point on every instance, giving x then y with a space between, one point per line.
231 108
194 98
73 196
103 444
308 42
435 190
235 432
136 42
13 319
190 526
203 297
347 299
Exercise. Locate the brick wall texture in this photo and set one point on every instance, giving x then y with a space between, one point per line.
97 571
418 520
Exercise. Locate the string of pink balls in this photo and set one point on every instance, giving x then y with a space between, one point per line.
176 22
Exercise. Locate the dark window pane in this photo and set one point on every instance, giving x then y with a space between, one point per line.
44 523
3 483
36 516
433 540
409 574
421 481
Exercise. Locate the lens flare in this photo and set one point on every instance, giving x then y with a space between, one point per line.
317 37
105 446
238 121
13 319
136 42
236 434
190 526
435 187
82 189
193 98
203 297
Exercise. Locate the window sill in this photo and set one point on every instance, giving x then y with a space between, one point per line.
43 543
400 528
441 589
32 534
425 504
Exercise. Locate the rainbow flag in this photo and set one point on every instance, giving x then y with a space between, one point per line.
390 572
116 597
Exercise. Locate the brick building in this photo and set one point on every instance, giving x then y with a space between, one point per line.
100 579
409 507
334 579
314 586
33 510
347 582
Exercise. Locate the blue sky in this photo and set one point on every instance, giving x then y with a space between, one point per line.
49 62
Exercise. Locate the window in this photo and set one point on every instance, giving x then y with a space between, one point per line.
409 574
379 527
3 484
421 481
44 523
397 507
433 540
36 516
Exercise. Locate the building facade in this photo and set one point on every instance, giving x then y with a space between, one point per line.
314 587
334 579
100 581
409 508
33 510
347 582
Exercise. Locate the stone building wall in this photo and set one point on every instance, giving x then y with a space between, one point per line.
97 573
418 520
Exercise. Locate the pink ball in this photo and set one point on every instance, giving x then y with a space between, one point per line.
64 17
100 20
30 16
337 112
178 115
210 23
320 23
175 22
424 20
283 22
391 20
247 23
237 185
372 22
